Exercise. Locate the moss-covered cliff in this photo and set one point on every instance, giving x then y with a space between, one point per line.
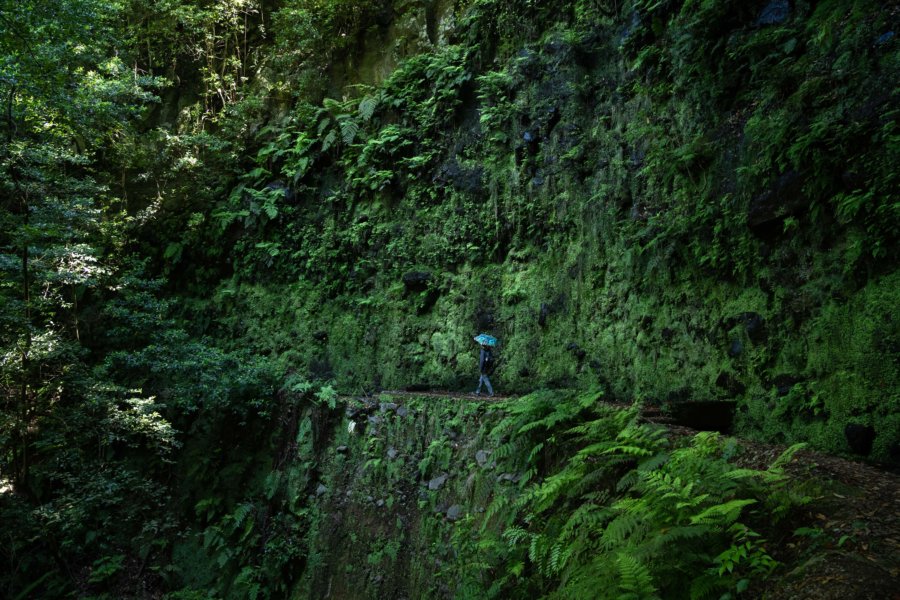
551 495
673 201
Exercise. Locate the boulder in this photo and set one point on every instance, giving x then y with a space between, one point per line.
416 281
482 457
437 482
783 383
454 512
884 38
510 477
543 313
774 13
465 179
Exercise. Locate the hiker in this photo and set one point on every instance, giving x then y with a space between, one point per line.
485 362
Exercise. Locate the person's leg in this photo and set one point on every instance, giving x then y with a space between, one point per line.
487 382
478 389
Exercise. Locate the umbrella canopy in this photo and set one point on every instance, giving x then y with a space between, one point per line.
485 339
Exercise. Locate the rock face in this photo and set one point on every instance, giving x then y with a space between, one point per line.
416 281
860 438
769 209
531 182
731 385
437 482
753 324
705 416
454 512
381 516
774 13
543 313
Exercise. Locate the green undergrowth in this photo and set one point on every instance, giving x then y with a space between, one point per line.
552 495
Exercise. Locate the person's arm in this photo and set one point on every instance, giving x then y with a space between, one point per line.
481 360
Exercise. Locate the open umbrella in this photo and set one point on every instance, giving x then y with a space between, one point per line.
485 339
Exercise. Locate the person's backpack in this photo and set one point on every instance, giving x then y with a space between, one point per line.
489 362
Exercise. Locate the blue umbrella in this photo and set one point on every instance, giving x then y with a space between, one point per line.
485 339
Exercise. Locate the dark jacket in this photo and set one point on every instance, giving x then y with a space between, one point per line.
486 361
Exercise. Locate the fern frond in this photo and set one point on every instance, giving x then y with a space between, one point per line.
624 526
722 514
514 535
785 457
629 450
535 451
367 107
552 489
654 462
497 507
510 448
627 481
738 474
240 513
328 141
635 581
323 125
704 586
349 129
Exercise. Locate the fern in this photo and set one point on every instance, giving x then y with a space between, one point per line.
590 525
514 535
705 586
328 141
785 457
722 514
323 125
367 107
240 513
636 582
627 523
349 129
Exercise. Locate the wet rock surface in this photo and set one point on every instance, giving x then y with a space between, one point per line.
438 482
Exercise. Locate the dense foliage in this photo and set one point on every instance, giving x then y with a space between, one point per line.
217 214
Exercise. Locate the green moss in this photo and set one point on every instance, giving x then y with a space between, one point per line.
645 189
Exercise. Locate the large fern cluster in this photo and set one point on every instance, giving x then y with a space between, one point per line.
621 511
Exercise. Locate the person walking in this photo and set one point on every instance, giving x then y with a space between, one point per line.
485 362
